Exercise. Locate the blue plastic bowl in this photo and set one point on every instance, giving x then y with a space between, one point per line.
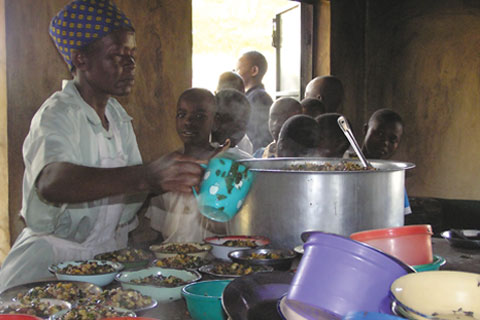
204 299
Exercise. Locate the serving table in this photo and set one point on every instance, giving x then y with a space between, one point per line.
457 259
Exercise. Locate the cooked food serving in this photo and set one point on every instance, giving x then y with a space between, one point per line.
179 261
235 268
87 268
37 307
180 248
265 256
119 298
125 255
93 312
341 166
66 291
160 281
240 243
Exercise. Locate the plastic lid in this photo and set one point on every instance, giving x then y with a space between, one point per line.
392 232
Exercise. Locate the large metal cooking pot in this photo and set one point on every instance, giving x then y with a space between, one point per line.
283 203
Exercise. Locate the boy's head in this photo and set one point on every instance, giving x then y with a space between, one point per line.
333 142
233 111
312 107
230 80
299 137
252 66
383 133
328 89
195 116
280 111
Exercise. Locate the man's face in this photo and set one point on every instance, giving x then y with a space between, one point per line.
194 121
110 68
382 139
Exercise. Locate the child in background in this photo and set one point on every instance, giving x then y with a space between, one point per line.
176 215
312 107
230 80
231 119
299 137
327 89
280 111
333 142
383 133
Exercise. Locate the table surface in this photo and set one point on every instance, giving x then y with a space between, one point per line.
457 259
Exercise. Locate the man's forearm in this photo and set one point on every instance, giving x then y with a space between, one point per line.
64 182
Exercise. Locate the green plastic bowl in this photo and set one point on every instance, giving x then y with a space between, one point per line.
435 265
204 299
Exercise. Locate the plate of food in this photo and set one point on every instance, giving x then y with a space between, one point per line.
222 246
179 261
232 270
70 291
121 298
162 284
279 259
99 272
130 257
170 249
42 308
92 312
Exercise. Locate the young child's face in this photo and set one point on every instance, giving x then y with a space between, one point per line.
227 127
382 139
194 121
277 118
289 148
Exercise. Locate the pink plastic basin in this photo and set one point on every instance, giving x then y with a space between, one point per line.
411 244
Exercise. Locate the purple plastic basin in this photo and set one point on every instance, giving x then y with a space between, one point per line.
341 275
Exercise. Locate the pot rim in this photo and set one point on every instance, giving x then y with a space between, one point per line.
382 165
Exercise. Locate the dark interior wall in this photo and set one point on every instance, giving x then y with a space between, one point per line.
35 70
421 59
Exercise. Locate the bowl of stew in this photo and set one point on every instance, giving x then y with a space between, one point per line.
222 246
278 259
162 284
170 249
98 272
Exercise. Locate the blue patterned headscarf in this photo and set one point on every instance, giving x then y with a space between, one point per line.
84 21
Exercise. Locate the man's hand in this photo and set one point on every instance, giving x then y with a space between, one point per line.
174 172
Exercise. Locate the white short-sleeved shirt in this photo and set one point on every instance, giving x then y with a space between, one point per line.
64 129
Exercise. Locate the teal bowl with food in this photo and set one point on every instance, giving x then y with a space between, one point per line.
224 187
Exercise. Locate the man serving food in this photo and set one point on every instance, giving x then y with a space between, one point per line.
84 179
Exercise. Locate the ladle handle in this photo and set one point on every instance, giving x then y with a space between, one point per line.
342 122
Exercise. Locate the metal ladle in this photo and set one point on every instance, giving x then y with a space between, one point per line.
342 122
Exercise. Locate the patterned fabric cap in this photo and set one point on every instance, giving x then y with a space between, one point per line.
84 21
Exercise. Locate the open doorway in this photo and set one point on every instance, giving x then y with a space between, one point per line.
223 30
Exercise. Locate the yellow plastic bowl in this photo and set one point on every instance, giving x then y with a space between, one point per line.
438 295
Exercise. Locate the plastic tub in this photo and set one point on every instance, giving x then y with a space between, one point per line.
340 275
204 299
411 244
435 265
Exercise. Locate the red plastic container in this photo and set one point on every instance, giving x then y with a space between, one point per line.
411 244
18 317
